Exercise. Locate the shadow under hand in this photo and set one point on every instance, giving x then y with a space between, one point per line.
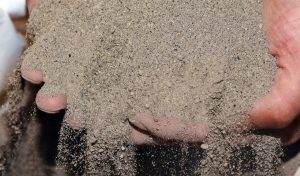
168 160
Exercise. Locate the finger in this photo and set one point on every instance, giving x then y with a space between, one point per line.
34 76
31 4
279 108
171 128
52 103
73 122
139 137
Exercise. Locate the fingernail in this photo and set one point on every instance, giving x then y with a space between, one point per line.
137 124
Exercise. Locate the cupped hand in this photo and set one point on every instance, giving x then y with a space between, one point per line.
280 109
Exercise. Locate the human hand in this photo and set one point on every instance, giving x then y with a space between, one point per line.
31 4
147 130
170 129
280 109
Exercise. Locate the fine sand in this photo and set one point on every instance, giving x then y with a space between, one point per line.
201 61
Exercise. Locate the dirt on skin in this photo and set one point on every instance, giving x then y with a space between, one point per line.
201 61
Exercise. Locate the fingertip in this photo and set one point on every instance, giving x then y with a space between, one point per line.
256 115
139 138
31 4
32 75
51 104
271 113
142 121
196 133
73 122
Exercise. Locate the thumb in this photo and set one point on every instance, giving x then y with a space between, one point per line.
271 112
